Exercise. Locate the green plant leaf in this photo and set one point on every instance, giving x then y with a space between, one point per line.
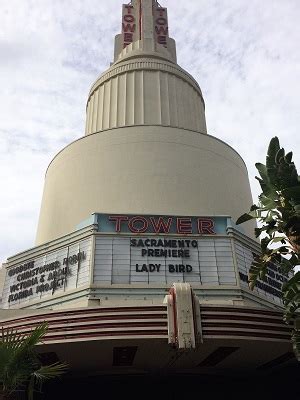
267 189
267 202
292 281
288 157
19 360
292 192
247 217
278 212
278 239
262 169
273 148
258 231
296 343
287 265
264 245
50 371
279 156
258 270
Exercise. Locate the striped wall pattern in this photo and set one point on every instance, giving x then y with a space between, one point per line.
218 322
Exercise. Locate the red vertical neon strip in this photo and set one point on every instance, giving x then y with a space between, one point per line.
140 20
174 300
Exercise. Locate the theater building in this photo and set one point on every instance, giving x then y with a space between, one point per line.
138 266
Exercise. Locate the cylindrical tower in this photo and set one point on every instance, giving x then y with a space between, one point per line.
160 265
146 148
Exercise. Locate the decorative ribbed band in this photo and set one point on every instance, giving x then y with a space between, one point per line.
145 92
150 64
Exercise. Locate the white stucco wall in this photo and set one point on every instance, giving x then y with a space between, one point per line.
142 170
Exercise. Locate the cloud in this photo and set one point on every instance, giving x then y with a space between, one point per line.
246 60
245 56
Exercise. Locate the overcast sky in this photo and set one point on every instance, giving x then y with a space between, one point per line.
244 54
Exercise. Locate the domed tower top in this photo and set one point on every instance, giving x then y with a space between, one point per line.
145 85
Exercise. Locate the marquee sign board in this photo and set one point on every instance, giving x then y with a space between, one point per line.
144 250
161 224
164 260
52 273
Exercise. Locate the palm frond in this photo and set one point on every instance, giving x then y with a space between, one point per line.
46 372
36 335
19 362
11 338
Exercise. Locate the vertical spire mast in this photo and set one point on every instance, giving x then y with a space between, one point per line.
146 22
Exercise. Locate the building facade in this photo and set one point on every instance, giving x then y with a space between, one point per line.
136 245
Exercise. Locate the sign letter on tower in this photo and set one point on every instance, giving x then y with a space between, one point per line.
161 25
128 24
